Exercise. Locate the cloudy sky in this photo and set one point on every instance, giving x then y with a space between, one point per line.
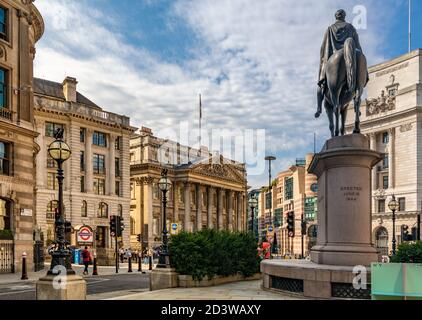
254 62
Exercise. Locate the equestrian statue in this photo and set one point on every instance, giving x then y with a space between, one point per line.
343 74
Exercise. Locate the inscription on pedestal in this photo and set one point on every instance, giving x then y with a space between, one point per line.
351 193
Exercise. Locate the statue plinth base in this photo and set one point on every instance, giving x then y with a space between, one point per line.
343 168
56 287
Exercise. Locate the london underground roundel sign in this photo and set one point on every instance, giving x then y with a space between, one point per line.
85 234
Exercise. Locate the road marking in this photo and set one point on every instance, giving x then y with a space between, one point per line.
16 292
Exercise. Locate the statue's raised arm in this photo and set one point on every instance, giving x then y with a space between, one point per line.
343 74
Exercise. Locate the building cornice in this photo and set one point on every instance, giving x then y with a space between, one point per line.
395 61
37 20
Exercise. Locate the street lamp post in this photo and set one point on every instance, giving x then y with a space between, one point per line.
164 184
394 206
253 202
61 256
269 159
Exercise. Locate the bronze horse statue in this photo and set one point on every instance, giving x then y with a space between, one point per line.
345 77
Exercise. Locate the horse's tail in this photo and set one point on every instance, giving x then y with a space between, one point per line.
350 59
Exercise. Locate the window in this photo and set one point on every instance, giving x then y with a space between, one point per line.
51 181
118 143
99 164
50 128
402 204
82 135
99 139
132 191
102 210
288 189
193 197
385 182
117 188
99 186
385 161
51 163
117 167
3 88
84 209
4 158
3 23
5 209
120 210
132 226
268 200
82 160
155 191
381 206
82 183
181 194
132 157
385 137
52 207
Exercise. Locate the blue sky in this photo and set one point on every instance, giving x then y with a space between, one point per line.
255 62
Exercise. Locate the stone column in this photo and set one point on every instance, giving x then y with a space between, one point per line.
187 223
220 208
209 207
175 202
111 172
373 143
229 196
239 211
148 210
198 207
88 161
41 160
391 164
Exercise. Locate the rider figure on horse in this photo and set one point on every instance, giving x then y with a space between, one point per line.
334 40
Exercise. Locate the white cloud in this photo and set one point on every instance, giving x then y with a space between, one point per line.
258 68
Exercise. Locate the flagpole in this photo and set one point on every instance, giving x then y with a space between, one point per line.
200 121
410 25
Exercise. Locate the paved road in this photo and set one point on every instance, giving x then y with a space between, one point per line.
96 285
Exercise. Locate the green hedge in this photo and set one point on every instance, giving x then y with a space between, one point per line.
208 253
408 253
6 235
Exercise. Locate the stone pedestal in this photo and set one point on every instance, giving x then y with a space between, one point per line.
73 287
343 168
163 278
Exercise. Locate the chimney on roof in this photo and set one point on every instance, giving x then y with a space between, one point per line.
69 89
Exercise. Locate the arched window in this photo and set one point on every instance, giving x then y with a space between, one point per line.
102 210
120 210
84 209
52 207
381 241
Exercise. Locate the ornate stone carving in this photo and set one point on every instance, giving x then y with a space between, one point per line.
3 53
144 180
224 171
381 104
406 127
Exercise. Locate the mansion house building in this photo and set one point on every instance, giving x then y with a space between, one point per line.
97 175
392 121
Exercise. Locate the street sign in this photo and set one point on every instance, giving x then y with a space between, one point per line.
270 228
85 235
112 234
291 234
174 226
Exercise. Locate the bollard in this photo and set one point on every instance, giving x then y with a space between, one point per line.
24 273
130 264
95 271
150 262
139 263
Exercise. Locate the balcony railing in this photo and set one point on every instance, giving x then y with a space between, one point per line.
5 113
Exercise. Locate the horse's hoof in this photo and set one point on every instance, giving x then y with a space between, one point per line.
317 114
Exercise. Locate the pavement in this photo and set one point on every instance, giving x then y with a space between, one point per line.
243 290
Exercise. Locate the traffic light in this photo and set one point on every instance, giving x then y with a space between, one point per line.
138 238
291 223
113 225
67 227
405 232
119 226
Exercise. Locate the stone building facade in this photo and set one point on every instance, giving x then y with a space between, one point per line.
21 26
392 121
97 175
208 191
295 191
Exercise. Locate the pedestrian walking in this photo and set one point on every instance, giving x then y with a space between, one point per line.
86 258
128 254
122 255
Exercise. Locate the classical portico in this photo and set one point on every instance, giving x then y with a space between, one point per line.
203 195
